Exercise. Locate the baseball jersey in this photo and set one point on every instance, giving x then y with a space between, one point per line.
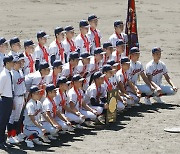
83 43
114 38
134 71
41 54
69 46
73 97
52 78
93 35
29 65
56 49
106 59
114 81
19 82
157 70
33 108
1 61
61 100
13 53
94 66
93 92
122 77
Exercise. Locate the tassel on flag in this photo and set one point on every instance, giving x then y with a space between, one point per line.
131 25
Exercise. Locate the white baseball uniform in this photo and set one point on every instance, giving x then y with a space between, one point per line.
13 53
83 43
29 62
55 50
91 34
52 78
157 70
114 38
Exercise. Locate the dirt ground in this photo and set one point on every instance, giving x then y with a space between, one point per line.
140 129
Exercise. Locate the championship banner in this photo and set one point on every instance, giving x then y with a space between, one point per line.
112 109
131 26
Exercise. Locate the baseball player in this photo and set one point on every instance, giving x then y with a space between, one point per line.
136 69
38 78
70 68
93 33
68 43
122 75
55 72
79 109
118 53
108 48
82 41
29 66
155 70
41 53
32 123
6 101
118 34
56 49
18 103
108 84
3 51
52 111
15 46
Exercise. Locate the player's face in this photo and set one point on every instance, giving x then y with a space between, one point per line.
59 69
109 74
43 40
53 93
135 56
126 66
86 61
65 86
10 65
75 62
36 96
22 63
109 50
60 36
94 23
84 30
16 47
47 71
120 48
119 28
17 65
157 56
30 49
4 47
70 34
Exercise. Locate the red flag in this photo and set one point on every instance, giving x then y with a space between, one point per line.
131 25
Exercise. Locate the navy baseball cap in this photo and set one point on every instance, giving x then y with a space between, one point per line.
107 44
14 40
58 30
62 80
134 50
3 40
118 22
83 23
43 65
99 50
7 59
85 55
41 34
98 75
91 17
57 63
77 77
156 49
21 56
125 60
120 42
28 43
74 55
16 59
106 68
69 28
112 63
50 87
34 89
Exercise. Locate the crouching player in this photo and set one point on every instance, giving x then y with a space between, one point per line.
32 122
80 111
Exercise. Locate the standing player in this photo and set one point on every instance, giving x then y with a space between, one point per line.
118 34
69 44
107 47
18 103
155 69
56 48
3 51
15 46
6 102
41 52
82 41
136 69
29 66
94 34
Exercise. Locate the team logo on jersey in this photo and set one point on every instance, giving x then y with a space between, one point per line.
135 71
20 80
155 72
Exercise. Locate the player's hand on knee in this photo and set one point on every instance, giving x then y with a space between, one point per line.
57 126
82 116
94 112
43 130
106 105
68 123
175 88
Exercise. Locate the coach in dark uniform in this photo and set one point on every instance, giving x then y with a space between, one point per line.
6 101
